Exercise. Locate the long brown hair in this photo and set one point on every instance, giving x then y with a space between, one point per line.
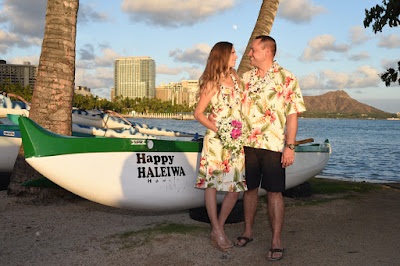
217 65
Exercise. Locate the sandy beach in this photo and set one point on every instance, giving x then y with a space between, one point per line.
363 229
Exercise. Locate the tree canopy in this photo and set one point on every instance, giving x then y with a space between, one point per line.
380 16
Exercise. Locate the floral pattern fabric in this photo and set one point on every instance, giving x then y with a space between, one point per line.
267 101
217 167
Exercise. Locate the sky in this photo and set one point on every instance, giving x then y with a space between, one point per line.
324 43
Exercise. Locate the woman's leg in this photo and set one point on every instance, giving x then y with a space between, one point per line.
217 234
228 203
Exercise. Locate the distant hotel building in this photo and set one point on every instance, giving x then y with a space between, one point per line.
179 93
85 91
24 74
135 77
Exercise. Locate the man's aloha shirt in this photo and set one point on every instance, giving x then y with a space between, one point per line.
267 102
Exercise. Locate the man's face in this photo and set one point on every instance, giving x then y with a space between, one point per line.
257 54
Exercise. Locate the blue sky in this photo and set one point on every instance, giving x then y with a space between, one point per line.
324 43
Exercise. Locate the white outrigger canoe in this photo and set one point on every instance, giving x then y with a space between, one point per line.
94 122
10 141
7 106
142 174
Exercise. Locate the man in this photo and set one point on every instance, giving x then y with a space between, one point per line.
271 102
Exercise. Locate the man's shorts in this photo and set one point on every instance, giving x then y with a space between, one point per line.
264 166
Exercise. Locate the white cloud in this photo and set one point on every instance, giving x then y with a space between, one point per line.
194 73
88 13
33 13
360 56
25 21
390 41
357 35
164 69
393 63
363 77
310 82
8 40
299 11
99 78
197 54
107 59
34 60
317 47
173 13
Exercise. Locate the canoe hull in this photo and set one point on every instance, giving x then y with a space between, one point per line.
127 180
137 174
9 151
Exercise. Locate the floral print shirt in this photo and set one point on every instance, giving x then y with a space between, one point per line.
267 101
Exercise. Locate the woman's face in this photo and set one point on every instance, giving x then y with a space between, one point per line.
232 58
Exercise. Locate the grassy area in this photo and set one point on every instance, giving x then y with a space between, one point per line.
139 238
326 190
329 186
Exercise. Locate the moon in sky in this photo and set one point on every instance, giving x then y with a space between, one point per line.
234 27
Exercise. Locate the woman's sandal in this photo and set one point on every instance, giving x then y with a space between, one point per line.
219 242
273 251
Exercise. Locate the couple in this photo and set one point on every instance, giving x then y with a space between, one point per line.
269 100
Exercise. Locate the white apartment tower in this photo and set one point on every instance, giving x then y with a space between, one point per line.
135 77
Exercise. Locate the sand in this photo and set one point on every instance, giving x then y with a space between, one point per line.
362 230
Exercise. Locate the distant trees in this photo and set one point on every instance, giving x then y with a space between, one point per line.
380 16
120 104
18 89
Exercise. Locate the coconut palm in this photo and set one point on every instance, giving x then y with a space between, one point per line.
263 26
54 87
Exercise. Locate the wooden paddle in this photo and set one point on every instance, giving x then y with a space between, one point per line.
303 141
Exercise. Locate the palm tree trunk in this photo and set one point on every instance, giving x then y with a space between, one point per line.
263 26
54 87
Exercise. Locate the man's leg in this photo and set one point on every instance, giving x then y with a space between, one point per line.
276 211
250 200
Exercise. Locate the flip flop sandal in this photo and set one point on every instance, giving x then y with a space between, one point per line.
246 241
276 250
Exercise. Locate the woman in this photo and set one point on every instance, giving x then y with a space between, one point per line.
219 85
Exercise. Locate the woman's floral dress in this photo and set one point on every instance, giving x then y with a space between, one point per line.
217 169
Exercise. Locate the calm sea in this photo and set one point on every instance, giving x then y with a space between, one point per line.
362 150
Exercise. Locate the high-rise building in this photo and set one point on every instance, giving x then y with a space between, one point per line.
135 77
179 93
192 87
24 74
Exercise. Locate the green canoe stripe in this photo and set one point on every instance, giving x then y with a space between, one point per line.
38 142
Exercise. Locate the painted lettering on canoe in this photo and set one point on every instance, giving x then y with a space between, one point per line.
160 166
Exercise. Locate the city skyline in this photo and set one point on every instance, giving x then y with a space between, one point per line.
325 45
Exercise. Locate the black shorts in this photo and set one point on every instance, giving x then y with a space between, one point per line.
264 166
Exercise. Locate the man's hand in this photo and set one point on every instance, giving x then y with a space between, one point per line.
287 157
212 117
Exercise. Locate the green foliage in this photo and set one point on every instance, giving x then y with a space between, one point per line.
18 89
347 116
134 239
380 16
120 104
327 186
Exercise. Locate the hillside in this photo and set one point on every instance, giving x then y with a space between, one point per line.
339 103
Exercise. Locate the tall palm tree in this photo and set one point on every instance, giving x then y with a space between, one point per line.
263 26
54 87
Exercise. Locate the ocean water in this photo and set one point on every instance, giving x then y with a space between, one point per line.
362 150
